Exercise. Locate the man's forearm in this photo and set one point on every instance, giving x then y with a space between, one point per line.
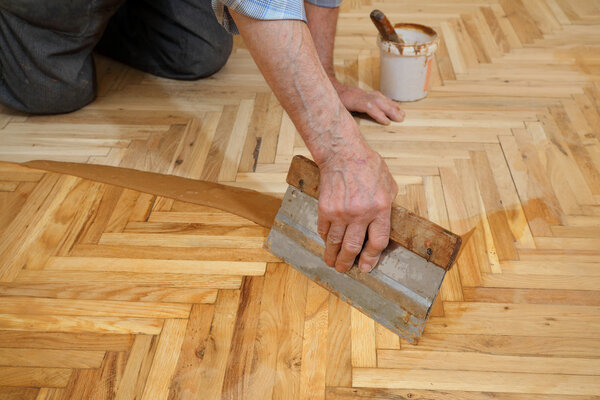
356 188
285 53
322 23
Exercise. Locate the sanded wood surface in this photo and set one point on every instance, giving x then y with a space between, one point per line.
110 293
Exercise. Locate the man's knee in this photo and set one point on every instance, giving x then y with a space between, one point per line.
173 39
200 61
45 63
46 96
32 79
57 99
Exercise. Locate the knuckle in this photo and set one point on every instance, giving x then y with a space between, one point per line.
323 224
342 213
352 247
379 243
355 211
326 210
332 211
382 204
335 238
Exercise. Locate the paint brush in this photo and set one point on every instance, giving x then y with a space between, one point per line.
384 26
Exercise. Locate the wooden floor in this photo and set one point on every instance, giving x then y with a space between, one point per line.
107 293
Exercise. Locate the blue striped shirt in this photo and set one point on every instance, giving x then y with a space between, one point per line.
264 9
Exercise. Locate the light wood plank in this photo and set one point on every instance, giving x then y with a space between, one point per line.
155 266
165 359
476 380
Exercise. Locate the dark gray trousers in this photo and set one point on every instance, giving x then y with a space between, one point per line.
46 63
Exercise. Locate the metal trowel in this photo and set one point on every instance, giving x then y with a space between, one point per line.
399 292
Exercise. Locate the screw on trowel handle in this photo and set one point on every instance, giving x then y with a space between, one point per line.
384 26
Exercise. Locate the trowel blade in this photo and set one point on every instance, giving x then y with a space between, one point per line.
398 293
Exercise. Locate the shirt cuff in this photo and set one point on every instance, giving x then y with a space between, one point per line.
259 9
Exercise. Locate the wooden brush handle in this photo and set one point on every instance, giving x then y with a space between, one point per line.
384 26
421 236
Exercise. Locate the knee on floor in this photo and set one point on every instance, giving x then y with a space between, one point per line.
54 98
199 61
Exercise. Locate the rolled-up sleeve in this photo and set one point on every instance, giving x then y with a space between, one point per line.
264 9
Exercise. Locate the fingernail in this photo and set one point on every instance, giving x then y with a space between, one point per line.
364 267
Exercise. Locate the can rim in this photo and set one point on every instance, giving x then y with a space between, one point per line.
411 50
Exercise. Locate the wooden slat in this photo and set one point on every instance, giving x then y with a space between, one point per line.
155 266
36 377
65 341
79 324
100 308
165 359
166 279
202 370
314 348
238 373
414 359
476 380
139 350
50 358
116 291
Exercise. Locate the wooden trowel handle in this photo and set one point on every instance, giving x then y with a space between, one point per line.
384 26
421 236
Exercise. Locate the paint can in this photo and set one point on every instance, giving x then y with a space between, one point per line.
406 67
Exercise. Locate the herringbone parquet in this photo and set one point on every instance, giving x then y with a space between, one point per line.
108 293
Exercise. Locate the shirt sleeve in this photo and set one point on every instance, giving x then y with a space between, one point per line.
264 9
326 3
257 9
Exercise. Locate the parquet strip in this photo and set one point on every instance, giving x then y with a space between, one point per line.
66 341
165 359
155 266
32 377
475 380
50 358
114 291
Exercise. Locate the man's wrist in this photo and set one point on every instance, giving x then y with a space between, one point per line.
348 143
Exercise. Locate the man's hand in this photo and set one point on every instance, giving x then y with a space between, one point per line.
356 194
322 23
379 107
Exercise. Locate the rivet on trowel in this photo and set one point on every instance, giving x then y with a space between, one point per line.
429 253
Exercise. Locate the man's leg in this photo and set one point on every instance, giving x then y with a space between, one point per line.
178 39
46 65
